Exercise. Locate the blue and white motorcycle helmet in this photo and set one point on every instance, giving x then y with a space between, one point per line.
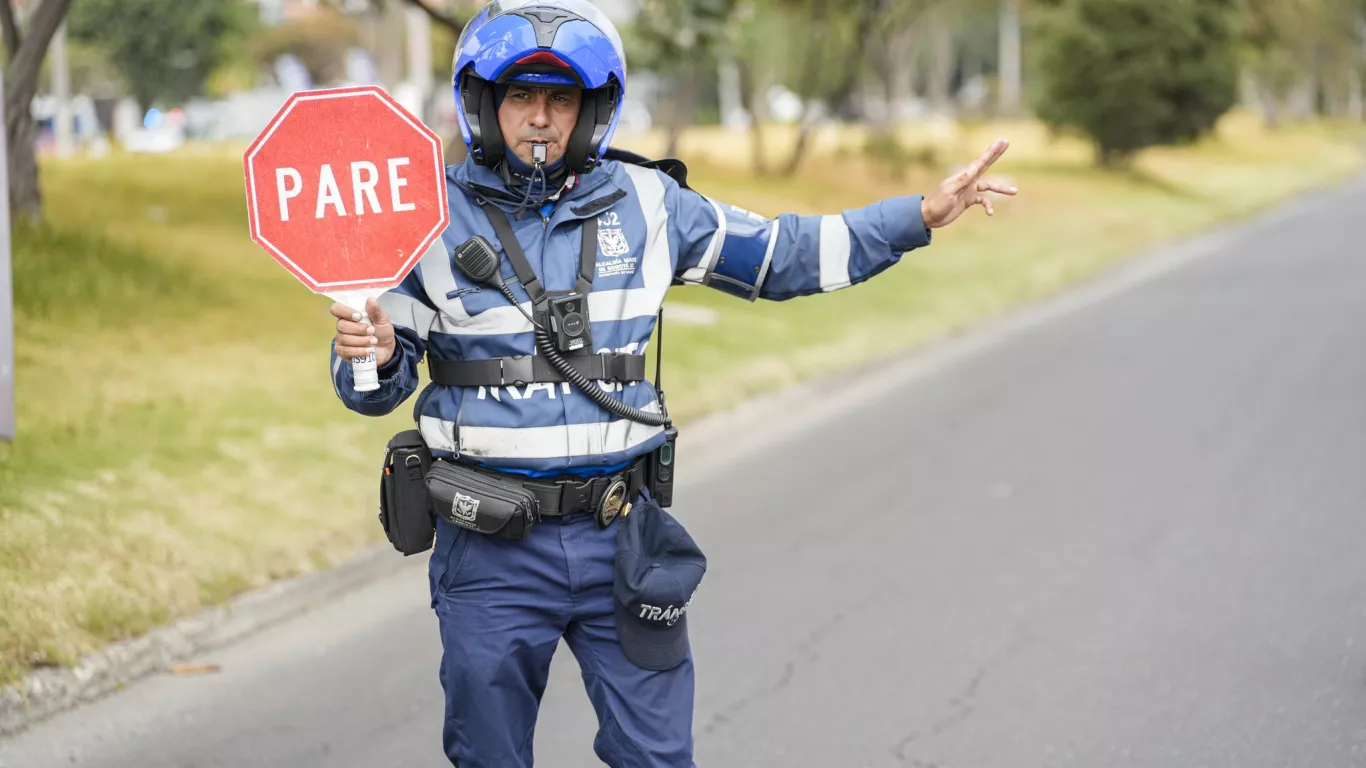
540 42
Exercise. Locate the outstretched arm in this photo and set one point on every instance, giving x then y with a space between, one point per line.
747 255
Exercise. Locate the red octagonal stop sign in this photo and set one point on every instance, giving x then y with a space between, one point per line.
346 189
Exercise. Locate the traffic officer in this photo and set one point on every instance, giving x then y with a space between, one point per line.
539 87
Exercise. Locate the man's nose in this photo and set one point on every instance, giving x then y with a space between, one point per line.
540 113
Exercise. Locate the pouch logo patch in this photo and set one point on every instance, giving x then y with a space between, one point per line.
465 507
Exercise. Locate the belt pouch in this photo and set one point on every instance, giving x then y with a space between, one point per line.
404 511
481 502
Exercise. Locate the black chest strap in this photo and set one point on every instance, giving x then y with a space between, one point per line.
588 252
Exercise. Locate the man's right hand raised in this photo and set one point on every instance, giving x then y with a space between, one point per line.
356 339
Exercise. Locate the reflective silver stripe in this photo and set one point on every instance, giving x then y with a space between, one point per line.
656 267
490 322
698 273
408 312
539 442
437 281
768 256
437 433
336 368
834 255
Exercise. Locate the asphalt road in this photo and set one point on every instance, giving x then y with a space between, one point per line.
1125 529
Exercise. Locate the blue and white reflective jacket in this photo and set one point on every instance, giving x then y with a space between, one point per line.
652 233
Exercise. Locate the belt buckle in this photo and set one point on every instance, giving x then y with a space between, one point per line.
612 502
517 370
576 496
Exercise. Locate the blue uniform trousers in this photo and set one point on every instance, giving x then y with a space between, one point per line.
503 607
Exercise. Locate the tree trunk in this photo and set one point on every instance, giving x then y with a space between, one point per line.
1355 108
852 58
1271 109
25 194
945 55
749 95
681 108
905 64
26 54
806 86
794 160
883 68
1010 67
1111 158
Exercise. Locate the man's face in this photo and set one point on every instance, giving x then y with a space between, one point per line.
545 115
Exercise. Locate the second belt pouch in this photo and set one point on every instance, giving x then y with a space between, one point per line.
480 502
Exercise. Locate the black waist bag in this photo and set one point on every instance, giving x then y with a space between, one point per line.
481 502
404 509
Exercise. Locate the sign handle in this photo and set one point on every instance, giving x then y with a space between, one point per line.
364 372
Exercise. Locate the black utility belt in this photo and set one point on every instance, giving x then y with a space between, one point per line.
415 488
521 370
503 505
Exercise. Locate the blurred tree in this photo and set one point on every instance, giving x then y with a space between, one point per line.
25 49
826 42
452 20
678 40
1009 64
320 40
1307 48
165 51
943 50
1135 73
450 15
893 49
90 71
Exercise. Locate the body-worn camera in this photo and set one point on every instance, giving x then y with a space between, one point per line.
568 322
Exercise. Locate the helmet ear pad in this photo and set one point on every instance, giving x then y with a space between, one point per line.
486 140
595 118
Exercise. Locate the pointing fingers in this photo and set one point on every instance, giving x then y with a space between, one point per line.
1000 189
973 172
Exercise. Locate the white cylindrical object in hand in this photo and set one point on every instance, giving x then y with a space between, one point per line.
364 372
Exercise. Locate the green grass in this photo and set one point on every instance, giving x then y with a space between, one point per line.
179 440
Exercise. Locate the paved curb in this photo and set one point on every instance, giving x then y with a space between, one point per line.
49 691
714 442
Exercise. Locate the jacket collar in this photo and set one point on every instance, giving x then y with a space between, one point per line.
477 181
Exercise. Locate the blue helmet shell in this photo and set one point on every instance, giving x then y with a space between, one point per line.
540 42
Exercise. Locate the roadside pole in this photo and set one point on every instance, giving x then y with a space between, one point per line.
61 89
7 419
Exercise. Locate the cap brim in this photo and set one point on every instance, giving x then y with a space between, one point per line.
653 649
542 78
